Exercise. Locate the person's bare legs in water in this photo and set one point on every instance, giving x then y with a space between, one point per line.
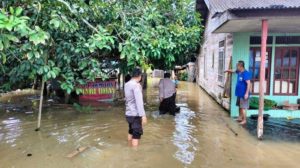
129 139
132 142
244 118
134 136
240 118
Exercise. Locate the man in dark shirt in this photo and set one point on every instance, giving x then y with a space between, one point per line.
242 90
167 95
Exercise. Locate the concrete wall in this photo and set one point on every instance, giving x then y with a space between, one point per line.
207 62
158 73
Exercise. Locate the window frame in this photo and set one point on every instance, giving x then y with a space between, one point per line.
205 63
221 72
268 70
213 60
282 68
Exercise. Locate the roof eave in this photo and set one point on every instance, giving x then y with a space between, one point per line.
253 14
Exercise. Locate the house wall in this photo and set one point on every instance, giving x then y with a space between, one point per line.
241 48
207 67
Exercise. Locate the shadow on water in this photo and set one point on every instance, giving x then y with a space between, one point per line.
277 129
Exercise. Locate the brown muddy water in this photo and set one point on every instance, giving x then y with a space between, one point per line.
200 136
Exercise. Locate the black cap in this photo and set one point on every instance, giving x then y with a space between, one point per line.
167 75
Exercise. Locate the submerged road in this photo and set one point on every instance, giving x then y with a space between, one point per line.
202 135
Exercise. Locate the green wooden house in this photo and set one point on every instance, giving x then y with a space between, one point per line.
233 32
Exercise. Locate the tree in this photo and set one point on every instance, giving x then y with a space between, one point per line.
68 55
59 48
73 41
81 35
158 32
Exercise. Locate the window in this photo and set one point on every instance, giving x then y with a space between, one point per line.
254 69
257 40
205 63
213 60
221 61
286 74
288 40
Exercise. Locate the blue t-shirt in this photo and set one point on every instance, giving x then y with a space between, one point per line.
175 82
241 85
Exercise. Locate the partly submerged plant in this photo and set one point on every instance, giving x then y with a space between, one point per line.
82 109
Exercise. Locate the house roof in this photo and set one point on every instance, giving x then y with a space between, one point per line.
221 6
228 16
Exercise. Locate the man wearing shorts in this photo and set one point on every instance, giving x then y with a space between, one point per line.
135 113
242 90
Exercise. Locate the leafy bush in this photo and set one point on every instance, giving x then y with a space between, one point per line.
183 76
269 104
5 87
83 109
74 41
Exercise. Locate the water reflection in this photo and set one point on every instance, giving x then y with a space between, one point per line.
11 130
195 138
183 137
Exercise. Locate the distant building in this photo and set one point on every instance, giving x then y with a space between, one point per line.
158 73
191 71
233 33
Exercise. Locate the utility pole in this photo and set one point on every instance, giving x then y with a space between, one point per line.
260 121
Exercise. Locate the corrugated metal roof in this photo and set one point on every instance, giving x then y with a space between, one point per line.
224 5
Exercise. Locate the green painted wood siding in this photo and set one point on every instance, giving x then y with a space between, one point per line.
241 49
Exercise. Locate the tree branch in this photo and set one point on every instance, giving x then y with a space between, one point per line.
76 13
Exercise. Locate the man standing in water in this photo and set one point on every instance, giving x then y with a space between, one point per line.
242 90
167 95
135 113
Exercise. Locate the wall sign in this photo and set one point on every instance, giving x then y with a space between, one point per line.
98 90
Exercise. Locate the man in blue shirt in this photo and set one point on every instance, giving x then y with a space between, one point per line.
242 90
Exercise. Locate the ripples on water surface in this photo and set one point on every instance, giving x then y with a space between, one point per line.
183 135
197 137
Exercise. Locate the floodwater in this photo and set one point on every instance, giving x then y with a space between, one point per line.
202 135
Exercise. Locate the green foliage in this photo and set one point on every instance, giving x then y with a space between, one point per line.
83 109
183 76
72 41
269 104
5 87
161 33
51 43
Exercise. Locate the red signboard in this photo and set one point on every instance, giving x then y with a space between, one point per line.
98 90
